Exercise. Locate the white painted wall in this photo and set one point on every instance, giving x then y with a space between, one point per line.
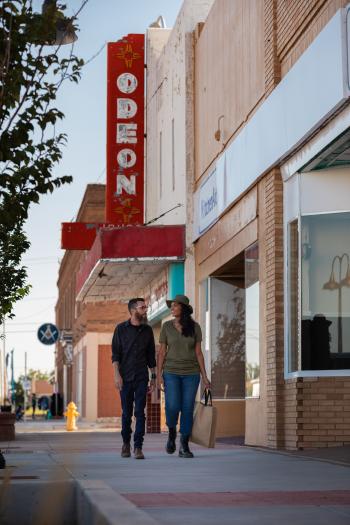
170 121
169 95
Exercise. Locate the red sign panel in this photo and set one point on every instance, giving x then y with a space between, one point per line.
125 131
79 235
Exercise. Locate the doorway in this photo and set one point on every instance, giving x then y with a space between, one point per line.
229 301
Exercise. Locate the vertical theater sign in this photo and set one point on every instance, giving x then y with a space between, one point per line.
125 131
125 143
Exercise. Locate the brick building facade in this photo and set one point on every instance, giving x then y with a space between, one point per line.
242 146
248 129
83 354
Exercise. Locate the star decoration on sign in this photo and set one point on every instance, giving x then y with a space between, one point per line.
127 210
128 55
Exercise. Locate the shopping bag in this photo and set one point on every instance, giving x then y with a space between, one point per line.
204 422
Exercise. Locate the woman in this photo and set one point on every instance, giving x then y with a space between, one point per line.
180 364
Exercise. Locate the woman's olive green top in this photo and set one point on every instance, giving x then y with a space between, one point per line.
181 355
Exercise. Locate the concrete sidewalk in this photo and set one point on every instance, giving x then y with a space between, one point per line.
229 485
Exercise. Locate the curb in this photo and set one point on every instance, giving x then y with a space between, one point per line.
99 504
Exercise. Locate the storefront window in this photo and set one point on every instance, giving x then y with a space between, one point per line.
325 293
227 338
252 369
204 322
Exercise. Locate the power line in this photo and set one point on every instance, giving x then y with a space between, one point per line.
95 55
21 332
10 323
100 175
29 259
46 309
39 298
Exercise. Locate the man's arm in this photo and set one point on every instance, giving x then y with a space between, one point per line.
151 360
118 380
116 358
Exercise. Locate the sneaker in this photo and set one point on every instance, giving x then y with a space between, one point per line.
138 453
126 450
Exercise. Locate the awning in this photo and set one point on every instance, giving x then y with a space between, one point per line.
122 261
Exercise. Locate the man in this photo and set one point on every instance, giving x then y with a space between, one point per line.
133 352
33 405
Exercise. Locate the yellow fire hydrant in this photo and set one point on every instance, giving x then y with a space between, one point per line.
71 414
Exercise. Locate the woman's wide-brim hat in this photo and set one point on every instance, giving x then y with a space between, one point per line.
181 299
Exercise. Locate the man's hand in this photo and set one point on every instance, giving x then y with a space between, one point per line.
118 380
152 385
160 382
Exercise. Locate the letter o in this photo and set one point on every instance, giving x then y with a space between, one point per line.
126 158
127 83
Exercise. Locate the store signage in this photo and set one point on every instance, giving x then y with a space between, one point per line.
48 334
125 131
79 235
208 202
211 196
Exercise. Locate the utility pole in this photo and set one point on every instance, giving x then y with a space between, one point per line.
25 385
2 366
12 380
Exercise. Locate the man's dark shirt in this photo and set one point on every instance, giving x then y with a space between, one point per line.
133 347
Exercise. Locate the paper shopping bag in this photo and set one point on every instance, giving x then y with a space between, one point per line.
204 423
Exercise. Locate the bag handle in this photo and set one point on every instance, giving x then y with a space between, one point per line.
208 398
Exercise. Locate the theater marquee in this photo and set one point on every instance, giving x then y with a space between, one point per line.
125 131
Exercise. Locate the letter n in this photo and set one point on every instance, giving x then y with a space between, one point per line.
128 185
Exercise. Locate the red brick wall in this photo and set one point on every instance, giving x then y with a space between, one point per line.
274 306
290 27
272 63
108 403
323 412
298 23
302 412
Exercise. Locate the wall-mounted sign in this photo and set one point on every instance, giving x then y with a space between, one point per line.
208 202
209 198
79 235
48 334
125 131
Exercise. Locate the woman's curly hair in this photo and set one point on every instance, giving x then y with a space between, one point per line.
186 321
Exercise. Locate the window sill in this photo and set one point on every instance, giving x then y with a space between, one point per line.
317 373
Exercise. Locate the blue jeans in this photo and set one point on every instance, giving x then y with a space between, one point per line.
180 394
134 392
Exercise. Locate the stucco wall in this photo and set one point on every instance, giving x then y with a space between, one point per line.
90 343
169 103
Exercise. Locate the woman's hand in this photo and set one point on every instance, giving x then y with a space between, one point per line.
206 382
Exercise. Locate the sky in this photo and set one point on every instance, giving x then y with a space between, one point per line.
84 106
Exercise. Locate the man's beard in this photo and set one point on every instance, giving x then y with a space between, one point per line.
142 318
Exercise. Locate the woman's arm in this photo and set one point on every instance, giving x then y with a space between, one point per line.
160 364
200 359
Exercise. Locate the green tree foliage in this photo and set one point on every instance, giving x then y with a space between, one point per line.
18 393
31 73
36 374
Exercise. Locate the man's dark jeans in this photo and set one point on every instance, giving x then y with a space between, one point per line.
134 392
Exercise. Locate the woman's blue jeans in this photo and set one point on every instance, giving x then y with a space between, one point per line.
180 394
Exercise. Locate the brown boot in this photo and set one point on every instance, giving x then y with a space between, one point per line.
126 450
138 453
